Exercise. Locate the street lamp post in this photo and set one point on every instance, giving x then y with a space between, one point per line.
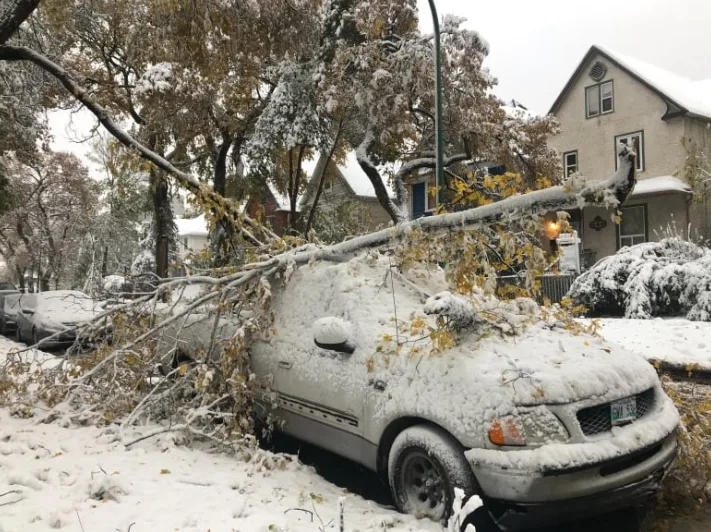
439 127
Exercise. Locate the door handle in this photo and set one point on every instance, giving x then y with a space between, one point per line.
284 364
378 385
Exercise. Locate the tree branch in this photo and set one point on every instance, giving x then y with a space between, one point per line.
21 53
12 14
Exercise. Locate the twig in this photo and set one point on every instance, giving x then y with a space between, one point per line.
79 517
157 432
300 510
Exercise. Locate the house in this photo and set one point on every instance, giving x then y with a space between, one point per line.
610 99
346 182
192 235
272 209
422 185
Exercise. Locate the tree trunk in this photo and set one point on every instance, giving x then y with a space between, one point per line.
12 14
20 277
163 218
105 262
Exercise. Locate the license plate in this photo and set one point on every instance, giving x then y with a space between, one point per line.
623 411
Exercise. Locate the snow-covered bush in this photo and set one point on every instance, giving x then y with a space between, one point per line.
670 277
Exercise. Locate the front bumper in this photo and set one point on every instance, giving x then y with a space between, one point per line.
517 500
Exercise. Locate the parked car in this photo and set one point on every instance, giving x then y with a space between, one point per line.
9 307
545 426
5 289
54 314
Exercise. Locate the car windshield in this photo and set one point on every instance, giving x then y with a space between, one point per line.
7 286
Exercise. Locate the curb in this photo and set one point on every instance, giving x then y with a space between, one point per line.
701 375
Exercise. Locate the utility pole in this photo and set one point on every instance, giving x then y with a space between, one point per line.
439 126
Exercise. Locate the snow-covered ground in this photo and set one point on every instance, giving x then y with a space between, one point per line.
676 341
84 479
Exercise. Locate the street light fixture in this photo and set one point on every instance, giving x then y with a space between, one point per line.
439 127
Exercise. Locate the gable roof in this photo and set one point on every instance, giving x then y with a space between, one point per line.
351 174
683 95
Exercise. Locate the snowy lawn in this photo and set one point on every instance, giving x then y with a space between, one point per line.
84 479
53 477
675 341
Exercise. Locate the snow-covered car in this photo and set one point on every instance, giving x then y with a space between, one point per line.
51 318
9 306
544 425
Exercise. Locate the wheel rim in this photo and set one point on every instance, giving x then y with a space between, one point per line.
423 486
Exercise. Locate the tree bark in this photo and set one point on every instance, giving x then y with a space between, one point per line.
12 14
163 218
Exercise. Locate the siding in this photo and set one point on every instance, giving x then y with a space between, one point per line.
637 108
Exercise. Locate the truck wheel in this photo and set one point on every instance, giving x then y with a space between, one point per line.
424 467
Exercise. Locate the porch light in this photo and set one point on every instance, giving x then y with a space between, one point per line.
552 230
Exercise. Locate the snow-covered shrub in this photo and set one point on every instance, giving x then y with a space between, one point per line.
114 283
670 277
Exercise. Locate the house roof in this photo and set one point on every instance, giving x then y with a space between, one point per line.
689 96
356 179
192 226
514 109
663 183
353 176
283 200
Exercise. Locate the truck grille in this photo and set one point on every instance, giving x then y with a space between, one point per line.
596 419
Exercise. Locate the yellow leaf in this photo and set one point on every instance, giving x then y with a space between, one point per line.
182 370
165 471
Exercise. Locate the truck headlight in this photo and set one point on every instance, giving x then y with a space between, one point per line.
531 426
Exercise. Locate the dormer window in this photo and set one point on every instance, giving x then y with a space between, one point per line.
599 99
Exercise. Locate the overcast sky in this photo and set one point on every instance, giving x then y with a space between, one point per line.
536 44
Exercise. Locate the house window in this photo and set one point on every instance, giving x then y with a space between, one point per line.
636 142
633 227
424 199
328 185
185 243
599 99
570 161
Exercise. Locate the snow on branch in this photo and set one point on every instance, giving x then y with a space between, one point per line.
22 53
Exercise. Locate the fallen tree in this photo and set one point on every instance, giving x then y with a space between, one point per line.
208 392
